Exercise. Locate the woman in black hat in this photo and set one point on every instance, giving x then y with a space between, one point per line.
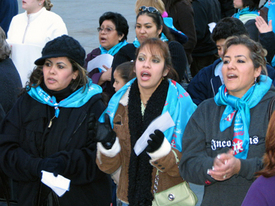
51 128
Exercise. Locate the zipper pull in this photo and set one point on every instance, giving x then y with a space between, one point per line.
50 124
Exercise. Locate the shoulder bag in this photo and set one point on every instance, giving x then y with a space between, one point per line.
178 195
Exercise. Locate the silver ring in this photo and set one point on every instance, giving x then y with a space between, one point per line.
224 176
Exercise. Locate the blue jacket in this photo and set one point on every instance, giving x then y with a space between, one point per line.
8 9
206 85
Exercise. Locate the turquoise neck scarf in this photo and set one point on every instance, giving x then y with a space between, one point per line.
178 104
75 100
137 44
114 49
244 14
241 108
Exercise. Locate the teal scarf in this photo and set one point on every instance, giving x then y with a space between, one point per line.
114 49
76 99
244 14
178 103
241 108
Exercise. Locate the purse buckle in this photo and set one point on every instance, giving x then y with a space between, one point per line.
171 197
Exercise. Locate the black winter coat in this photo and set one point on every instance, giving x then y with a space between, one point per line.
25 139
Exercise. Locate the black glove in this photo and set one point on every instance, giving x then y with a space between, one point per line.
54 165
156 140
105 133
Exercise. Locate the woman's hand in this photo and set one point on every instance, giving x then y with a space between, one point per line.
225 166
105 133
262 26
155 142
106 76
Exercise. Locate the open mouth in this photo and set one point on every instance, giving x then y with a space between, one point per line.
232 76
103 39
51 80
145 75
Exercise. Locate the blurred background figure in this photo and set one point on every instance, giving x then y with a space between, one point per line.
112 35
30 31
8 9
179 33
227 8
183 18
206 14
150 24
158 4
262 191
205 84
247 13
268 12
123 74
267 38
10 82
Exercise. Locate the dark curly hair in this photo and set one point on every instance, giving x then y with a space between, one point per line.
158 20
119 21
227 27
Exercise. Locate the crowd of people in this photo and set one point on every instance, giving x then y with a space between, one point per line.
188 100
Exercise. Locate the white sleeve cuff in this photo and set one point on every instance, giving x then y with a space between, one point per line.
109 152
164 150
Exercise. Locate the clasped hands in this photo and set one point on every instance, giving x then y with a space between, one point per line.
225 166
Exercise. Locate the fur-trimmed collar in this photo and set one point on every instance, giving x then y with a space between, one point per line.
125 98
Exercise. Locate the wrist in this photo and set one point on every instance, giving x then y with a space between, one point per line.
113 151
164 150
110 140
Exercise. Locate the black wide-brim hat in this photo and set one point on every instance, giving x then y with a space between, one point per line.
63 46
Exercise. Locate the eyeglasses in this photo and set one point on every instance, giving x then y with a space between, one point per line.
149 9
106 30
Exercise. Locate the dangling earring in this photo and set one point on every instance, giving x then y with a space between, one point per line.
255 81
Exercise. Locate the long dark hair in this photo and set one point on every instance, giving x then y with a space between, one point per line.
158 20
252 4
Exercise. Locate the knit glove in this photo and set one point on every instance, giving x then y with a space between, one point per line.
155 142
105 133
54 165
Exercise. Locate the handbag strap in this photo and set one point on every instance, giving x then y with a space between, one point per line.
156 183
